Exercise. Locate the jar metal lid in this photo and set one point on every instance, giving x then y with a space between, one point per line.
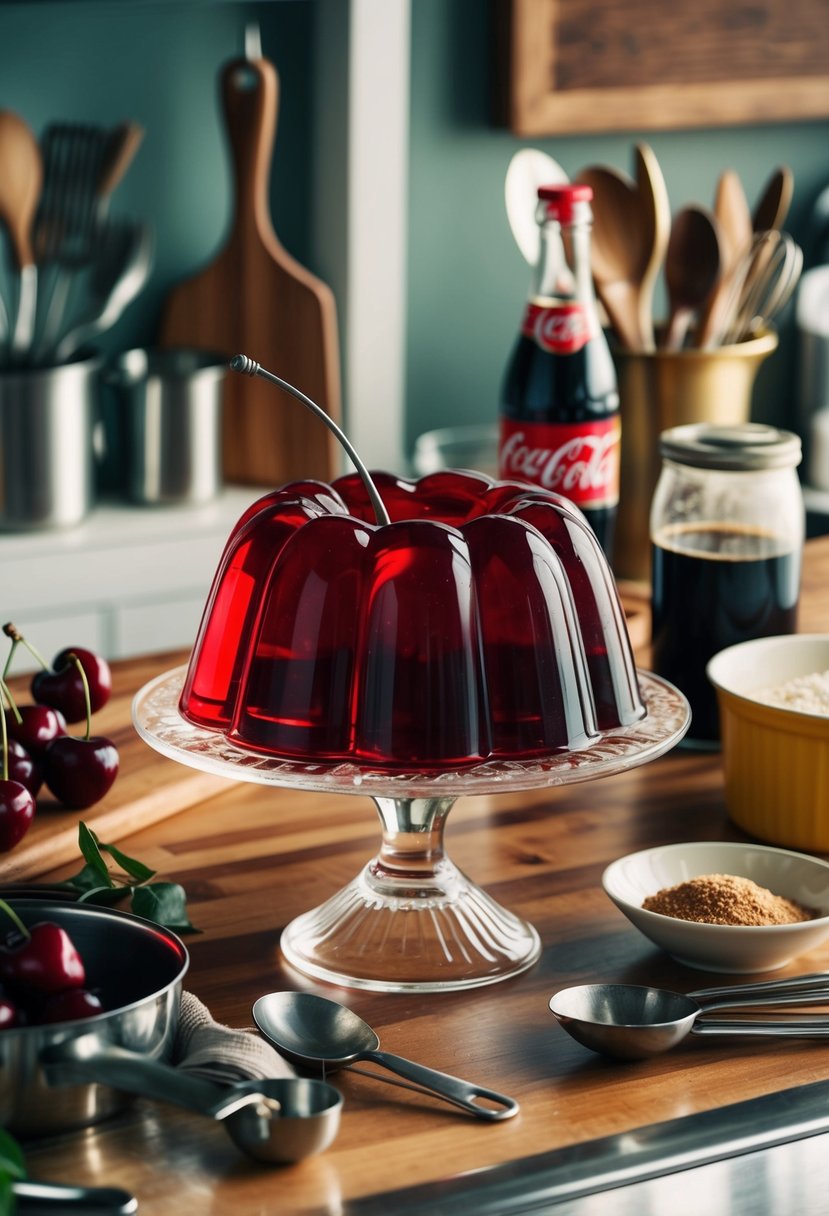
742 447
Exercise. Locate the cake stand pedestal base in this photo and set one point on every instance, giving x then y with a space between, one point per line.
411 920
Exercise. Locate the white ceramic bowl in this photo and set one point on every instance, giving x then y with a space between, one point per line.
733 948
775 759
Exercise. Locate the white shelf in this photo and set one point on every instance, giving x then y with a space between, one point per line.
127 581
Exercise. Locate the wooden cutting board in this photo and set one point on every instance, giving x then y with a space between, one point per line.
255 299
148 788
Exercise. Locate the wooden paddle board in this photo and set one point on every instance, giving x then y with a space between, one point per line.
255 299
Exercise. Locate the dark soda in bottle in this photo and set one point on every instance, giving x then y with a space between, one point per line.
559 409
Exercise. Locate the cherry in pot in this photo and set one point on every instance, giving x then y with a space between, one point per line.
47 961
9 1015
71 1005
62 686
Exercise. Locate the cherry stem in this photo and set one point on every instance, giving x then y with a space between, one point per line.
6 697
12 915
249 367
73 658
11 631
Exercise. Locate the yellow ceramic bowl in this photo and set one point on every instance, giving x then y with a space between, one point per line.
776 760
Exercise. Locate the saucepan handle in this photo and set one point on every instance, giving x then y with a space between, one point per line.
46 1198
87 1059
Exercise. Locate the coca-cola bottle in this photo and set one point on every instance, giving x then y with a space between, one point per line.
560 425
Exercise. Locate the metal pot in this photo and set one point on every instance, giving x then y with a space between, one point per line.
137 968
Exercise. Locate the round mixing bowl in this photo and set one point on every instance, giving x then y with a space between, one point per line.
775 759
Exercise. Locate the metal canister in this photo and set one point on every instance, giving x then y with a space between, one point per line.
727 526
47 461
163 425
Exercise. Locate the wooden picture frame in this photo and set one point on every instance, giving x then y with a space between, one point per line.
564 67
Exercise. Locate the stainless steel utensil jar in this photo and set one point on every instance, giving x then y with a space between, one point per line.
46 445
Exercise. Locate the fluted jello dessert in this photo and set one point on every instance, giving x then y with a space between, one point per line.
481 621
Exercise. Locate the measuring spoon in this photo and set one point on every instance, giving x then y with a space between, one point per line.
632 1022
274 1121
311 1030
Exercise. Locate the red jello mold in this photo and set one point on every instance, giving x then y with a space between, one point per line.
481 622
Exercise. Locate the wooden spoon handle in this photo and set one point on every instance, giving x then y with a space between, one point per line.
621 303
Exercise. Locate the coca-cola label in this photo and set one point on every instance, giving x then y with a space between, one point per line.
577 460
560 328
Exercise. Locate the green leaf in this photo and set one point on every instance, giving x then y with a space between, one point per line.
104 896
91 852
87 879
164 903
12 1166
12 1162
7 1200
135 869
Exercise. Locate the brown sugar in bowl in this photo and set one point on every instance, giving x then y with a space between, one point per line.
737 949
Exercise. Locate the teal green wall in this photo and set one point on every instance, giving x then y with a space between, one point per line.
158 61
467 279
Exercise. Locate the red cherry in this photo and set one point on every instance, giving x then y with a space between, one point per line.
79 772
38 726
8 1013
22 768
62 687
71 1005
46 961
17 810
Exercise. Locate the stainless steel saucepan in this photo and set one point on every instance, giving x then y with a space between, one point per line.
137 968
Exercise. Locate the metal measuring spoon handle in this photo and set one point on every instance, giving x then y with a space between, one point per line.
795 1028
452 1089
812 984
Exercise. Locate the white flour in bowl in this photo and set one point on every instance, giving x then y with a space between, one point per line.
804 694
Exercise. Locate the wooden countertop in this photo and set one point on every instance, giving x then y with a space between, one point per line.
251 858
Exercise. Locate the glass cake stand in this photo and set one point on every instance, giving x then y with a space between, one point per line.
411 921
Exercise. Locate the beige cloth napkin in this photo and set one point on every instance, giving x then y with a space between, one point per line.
206 1048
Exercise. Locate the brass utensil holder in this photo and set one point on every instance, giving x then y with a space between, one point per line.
663 389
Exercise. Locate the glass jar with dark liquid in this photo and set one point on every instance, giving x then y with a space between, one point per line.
727 528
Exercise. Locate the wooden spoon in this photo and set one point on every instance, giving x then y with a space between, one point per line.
772 206
656 216
21 179
736 234
620 250
693 264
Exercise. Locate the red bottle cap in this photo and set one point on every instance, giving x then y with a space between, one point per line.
562 201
